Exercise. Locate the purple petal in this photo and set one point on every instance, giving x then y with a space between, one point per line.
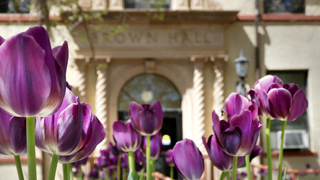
255 152
25 92
61 54
18 135
231 140
216 125
279 103
126 137
235 103
292 88
188 159
2 40
243 121
298 106
70 123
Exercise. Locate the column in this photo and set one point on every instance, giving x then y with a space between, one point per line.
218 84
101 101
198 100
82 69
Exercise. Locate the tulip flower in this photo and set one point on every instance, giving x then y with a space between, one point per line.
127 138
140 160
124 161
259 93
188 159
80 162
38 86
113 149
155 145
146 119
235 103
94 173
169 157
13 134
237 136
286 102
13 139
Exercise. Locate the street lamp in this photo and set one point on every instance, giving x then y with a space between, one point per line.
241 64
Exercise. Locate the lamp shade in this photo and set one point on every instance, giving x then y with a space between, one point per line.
241 64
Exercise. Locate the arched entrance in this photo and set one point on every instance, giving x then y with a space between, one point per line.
145 89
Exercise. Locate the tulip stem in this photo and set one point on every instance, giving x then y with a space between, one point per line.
31 151
269 149
124 174
234 167
18 166
228 175
248 167
132 165
119 168
281 150
70 171
106 175
171 172
66 175
148 152
53 166
141 174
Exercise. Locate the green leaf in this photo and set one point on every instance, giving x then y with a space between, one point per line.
284 174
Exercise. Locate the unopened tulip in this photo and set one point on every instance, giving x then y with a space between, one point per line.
259 93
12 134
155 145
237 136
188 159
146 119
235 103
33 76
127 138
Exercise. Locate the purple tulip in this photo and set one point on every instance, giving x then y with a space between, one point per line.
236 103
38 85
127 138
94 173
146 119
72 132
113 149
140 160
263 172
13 134
124 161
169 157
286 102
218 157
188 159
257 150
155 145
259 93
102 161
237 136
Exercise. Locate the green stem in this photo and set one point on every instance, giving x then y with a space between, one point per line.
141 174
234 167
228 175
132 165
99 170
53 166
153 165
269 149
119 168
18 166
148 152
248 167
66 175
106 175
281 149
171 172
70 170
124 174
31 144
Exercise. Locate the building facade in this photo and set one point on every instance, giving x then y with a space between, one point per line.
186 62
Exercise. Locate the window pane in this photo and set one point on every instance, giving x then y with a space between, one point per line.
147 4
284 6
300 78
146 88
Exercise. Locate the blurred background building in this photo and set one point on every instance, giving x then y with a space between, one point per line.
182 52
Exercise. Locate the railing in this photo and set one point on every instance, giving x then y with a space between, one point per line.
294 172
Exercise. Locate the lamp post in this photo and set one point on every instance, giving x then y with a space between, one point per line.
241 64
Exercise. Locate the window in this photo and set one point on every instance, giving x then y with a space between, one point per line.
14 6
299 127
147 4
284 6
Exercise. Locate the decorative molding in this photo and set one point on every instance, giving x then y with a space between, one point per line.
198 100
99 4
116 5
197 5
82 69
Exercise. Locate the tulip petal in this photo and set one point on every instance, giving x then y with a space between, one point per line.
298 106
279 103
243 121
257 150
61 54
17 134
216 124
70 123
1 40
231 140
21 54
188 159
235 103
